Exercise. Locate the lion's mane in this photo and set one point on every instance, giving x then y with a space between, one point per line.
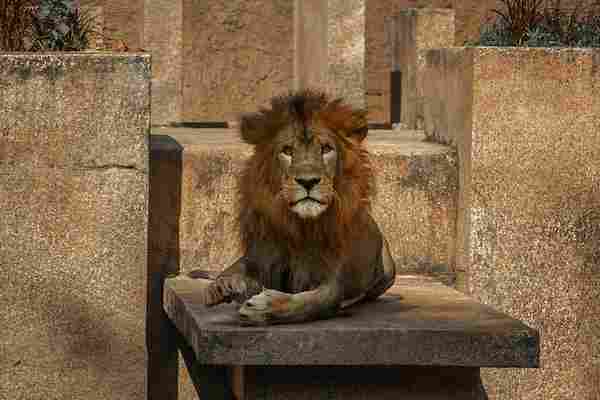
265 216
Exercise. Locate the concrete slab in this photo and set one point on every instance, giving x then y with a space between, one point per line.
418 322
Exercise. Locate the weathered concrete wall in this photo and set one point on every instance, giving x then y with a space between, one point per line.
236 56
310 44
120 20
530 120
377 65
408 35
415 205
469 15
163 38
124 20
73 206
346 50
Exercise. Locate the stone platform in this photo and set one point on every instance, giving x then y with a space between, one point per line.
421 339
415 205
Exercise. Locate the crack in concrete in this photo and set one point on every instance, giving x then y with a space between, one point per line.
104 167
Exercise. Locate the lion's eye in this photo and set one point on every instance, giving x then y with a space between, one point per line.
326 149
287 150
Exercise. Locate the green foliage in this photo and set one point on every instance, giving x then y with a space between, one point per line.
495 34
543 23
58 25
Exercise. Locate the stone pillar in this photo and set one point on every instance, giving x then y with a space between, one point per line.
310 37
525 123
236 56
163 24
408 34
73 211
346 52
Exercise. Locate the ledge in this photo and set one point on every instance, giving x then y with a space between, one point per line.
415 204
417 322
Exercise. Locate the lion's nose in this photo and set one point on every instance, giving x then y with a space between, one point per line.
308 183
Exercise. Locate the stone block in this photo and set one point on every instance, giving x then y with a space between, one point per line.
346 50
415 204
526 125
377 65
310 44
417 322
421 340
163 36
409 34
242 56
73 206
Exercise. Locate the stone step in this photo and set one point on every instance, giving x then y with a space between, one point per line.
415 205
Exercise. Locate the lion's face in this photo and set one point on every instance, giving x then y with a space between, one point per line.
309 174
307 157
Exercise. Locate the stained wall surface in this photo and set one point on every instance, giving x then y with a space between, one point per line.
530 200
236 55
346 50
469 16
415 204
73 206
408 35
378 58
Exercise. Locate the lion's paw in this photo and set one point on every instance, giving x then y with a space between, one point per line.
265 307
231 288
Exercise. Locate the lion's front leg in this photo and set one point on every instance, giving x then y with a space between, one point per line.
233 284
275 307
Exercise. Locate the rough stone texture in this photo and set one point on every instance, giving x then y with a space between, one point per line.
529 129
121 20
377 65
346 37
310 44
163 38
124 20
470 14
415 204
236 55
416 322
409 34
73 206
447 91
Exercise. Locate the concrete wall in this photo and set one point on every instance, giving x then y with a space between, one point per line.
408 35
310 44
377 65
236 55
415 203
73 206
527 124
469 15
163 38
346 50
120 20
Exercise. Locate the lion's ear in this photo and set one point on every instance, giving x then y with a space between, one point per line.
359 129
359 134
253 128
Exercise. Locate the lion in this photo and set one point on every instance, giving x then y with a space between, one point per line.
311 246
